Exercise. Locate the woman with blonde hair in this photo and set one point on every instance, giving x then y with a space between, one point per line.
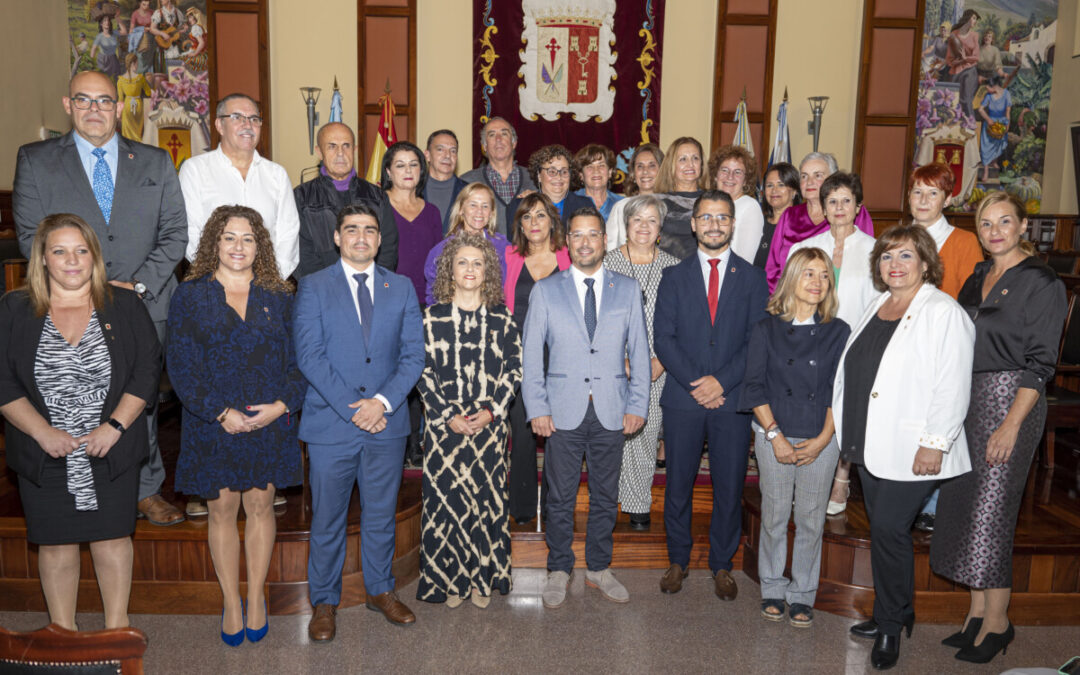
473 211
791 360
79 364
465 528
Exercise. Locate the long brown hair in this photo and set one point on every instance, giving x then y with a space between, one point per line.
557 239
665 178
37 277
491 293
265 266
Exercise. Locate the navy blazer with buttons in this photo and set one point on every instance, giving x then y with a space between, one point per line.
791 368
689 346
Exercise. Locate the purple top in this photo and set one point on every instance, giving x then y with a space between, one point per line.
339 185
415 239
794 226
497 240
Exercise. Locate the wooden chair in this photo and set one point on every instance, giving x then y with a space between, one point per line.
1063 262
55 649
1063 405
14 264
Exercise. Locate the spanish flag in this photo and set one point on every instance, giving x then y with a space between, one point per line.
383 140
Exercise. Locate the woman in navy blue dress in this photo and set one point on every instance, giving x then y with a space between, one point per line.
232 362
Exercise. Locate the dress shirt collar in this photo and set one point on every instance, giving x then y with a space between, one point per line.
223 160
940 231
86 154
579 278
704 258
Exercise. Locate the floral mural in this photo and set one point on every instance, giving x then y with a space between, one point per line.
156 52
984 95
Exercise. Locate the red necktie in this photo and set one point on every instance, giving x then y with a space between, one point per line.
714 288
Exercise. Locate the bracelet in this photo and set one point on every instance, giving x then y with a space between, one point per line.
223 415
116 424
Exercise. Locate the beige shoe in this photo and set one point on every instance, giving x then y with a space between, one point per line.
836 508
607 584
554 594
454 601
481 601
196 507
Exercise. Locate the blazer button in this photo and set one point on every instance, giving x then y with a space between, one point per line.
365 389
789 392
110 237
813 362
712 343
873 395
791 362
586 379
108 264
811 397
367 360
592 351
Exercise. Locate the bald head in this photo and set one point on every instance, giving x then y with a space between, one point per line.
333 127
97 92
336 149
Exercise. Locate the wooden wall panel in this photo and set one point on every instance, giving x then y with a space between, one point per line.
883 178
386 48
890 71
383 58
895 9
742 40
239 60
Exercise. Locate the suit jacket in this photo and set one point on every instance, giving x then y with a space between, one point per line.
147 231
341 368
689 346
136 365
577 366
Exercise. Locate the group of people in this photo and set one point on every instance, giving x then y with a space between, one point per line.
494 310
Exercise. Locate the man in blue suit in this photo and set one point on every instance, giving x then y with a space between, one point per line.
595 390
360 344
705 308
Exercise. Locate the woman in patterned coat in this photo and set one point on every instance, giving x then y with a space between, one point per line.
232 362
473 364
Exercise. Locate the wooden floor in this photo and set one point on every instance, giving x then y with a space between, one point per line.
173 571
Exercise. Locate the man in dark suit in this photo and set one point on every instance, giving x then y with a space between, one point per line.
705 308
129 193
360 344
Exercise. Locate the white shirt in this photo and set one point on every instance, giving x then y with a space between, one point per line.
749 224
579 285
940 231
616 225
706 268
210 180
354 285
855 289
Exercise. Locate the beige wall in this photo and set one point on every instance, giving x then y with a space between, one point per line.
1059 185
34 79
687 70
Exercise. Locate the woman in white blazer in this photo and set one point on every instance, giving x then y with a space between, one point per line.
899 402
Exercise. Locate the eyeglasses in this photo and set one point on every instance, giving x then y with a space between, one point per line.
737 173
580 235
84 102
709 218
552 172
240 118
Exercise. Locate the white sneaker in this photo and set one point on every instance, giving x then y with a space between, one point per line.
607 584
554 594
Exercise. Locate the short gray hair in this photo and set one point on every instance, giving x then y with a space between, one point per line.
826 157
635 205
483 132
220 112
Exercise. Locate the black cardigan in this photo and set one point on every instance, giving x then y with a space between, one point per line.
136 366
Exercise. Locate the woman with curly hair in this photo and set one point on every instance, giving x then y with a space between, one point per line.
473 364
232 362
552 169
734 170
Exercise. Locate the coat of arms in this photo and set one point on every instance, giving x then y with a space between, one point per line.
567 63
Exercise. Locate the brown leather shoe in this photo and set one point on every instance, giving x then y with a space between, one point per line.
159 512
393 609
323 624
726 589
672 579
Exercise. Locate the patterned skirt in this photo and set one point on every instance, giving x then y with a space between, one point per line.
976 516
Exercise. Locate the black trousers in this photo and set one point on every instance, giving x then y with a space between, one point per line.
892 506
523 445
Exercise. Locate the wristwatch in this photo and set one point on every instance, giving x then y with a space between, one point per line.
772 432
139 288
115 424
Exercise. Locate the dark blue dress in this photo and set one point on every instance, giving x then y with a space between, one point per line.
217 360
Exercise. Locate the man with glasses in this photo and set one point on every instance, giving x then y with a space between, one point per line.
129 194
593 391
235 173
705 308
507 180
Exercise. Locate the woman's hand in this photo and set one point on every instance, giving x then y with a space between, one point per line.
235 422
265 413
459 424
479 420
57 443
100 440
1000 446
927 462
807 451
657 369
781 447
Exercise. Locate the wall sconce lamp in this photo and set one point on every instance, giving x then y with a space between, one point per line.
311 97
817 106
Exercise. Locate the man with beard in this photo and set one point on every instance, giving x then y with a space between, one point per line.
705 308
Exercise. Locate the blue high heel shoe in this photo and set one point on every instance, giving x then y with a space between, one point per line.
234 639
254 635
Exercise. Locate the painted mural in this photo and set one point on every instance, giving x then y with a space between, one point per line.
156 52
984 95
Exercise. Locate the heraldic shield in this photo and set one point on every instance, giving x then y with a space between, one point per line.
567 63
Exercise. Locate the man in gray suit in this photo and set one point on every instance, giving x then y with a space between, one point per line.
595 390
128 192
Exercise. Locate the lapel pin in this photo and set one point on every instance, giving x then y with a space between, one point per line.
1004 291
732 269
131 155
386 284
611 284
108 326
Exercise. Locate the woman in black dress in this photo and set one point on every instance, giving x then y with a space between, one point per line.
473 364
232 362
79 362
1018 305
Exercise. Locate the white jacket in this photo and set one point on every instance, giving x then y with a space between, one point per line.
921 391
855 290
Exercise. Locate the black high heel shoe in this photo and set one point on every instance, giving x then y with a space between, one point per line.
869 629
988 649
966 637
886 652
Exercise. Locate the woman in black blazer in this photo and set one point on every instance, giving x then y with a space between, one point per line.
80 362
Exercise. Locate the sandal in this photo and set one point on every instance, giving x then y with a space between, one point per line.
767 605
836 508
797 610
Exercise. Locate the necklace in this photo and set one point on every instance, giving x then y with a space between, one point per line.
647 281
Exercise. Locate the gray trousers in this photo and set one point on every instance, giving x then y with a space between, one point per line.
808 486
152 472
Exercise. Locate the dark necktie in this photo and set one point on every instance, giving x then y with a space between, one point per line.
364 300
714 288
103 184
590 308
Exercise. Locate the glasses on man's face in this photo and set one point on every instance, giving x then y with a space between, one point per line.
710 218
84 102
552 172
240 118
582 235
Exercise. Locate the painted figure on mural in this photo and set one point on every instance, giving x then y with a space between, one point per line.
194 54
140 40
167 24
131 87
994 110
963 54
104 48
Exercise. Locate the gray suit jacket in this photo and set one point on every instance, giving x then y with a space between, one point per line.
147 233
576 366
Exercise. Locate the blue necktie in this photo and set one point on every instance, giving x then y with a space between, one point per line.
590 308
103 184
364 299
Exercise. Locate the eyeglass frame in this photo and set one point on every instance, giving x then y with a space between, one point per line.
104 103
